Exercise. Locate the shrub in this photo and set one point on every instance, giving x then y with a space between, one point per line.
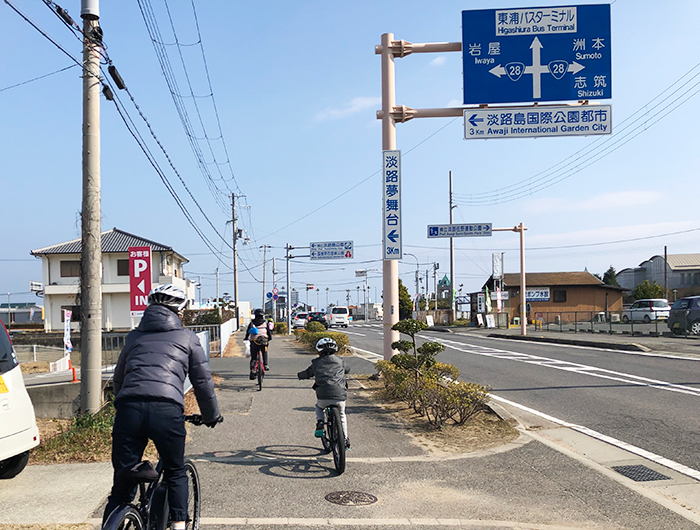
314 327
465 400
281 328
310 338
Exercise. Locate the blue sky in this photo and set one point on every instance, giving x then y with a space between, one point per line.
296 86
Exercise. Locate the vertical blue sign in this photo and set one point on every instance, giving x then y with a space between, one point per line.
537 54
391 184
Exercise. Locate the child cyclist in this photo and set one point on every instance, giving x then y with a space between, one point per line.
328 370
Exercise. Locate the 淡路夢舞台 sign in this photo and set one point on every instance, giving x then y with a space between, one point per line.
537 54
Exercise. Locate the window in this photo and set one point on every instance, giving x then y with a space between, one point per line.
559 296
7 356
122 267
75 317
70 269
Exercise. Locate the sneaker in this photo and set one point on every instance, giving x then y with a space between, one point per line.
319 429
267 368
347 444
252 375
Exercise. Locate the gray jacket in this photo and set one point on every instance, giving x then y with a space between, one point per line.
157 357
329 372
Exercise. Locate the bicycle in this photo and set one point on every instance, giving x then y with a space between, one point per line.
150 508
333 438
259 366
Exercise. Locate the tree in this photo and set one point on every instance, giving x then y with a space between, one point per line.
610 277
647 290
405 304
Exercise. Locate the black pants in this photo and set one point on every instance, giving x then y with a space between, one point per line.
164 423
254 349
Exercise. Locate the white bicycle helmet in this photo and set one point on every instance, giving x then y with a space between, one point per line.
168 295
326 345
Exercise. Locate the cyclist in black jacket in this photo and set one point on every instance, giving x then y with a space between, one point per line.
260 323
328 371
149 397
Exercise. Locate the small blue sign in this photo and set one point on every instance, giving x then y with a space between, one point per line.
269 295
536 54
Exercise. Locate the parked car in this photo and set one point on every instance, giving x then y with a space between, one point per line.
18 430
340 316
299 320
318 316
647 310
685 316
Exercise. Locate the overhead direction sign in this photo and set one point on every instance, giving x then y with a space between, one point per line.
391 185
332 250
537 54
459 230
535 122
139 279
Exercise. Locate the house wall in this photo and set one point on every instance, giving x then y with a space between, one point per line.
578 298
116 312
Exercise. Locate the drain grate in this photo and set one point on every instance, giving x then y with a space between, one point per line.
351 498
640 473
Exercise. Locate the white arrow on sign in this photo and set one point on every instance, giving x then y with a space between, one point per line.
536 69
141 284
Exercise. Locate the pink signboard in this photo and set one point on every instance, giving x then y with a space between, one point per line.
139 279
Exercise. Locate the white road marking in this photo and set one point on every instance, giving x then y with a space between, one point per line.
298 521
366 355
671 464
567 366
354 333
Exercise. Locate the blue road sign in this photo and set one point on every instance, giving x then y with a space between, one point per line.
459 230
536 54
269 295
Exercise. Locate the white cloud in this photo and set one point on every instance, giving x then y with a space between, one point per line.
354 106
438 61
455 103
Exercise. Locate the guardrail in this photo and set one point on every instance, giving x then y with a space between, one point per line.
601 322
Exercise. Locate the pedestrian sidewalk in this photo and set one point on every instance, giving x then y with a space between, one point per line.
263 468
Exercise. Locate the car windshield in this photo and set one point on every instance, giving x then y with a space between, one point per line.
660 303
683 303
340 311
7 355
301 315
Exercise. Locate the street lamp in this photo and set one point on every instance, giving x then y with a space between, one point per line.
327 289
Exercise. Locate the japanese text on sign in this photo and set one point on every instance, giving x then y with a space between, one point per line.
462 230
391 185
537 20
331 250
537 294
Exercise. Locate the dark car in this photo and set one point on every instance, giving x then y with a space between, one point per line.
685 316
318 316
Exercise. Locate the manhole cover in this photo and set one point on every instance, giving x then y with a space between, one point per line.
640 473
351 498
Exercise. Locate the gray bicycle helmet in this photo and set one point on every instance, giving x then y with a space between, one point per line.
326 345
168 295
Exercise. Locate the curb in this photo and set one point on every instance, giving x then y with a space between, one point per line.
574 342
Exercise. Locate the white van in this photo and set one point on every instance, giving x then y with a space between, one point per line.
340 316
18 430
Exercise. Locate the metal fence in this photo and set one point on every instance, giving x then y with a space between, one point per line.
600 322
214 337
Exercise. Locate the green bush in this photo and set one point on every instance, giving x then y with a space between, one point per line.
310 338
281 328
314 327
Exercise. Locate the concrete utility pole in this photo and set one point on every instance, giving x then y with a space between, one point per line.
436 266
91 257
218 301
452 257
274 284
264 247
234 220
288 256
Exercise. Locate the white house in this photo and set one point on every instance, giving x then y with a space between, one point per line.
61 277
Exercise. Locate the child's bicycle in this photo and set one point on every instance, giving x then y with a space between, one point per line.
333 438
259 366
150 509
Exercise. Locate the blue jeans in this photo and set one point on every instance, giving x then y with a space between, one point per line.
164 423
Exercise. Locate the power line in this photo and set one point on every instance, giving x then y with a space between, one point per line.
38 78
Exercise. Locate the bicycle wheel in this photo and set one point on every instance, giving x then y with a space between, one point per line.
126 518
338 441
327 427
260 374
194 498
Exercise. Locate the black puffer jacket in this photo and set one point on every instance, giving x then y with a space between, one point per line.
329 372
157 357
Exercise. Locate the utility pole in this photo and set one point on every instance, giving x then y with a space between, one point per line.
436 266
234 220
274 284
264 247
288 256
218 301
91 255
452 257
665 272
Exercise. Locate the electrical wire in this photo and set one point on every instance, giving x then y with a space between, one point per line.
37 78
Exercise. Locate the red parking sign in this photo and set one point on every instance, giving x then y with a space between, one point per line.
139 279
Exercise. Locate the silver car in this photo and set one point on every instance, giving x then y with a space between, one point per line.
647 310
299 320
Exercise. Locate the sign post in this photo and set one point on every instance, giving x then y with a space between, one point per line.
139 279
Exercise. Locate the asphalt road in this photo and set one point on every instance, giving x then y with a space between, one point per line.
647 401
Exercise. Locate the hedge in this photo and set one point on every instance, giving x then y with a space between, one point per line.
310 338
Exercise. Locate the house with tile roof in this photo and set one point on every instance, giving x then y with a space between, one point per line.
682 272
61 278
558 293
